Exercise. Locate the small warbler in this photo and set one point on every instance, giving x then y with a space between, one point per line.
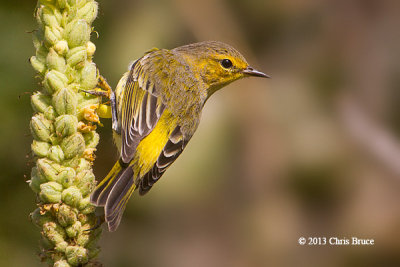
156 109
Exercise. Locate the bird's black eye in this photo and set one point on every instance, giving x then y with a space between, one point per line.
226 63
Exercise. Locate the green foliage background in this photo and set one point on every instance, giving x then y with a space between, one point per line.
273 160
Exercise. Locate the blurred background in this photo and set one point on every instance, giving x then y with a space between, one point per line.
312 152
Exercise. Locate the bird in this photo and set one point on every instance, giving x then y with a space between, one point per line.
156 109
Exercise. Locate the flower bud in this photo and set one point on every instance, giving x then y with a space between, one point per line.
91 139
72 2
49 169
37 65
61 47
83 239
73 145
54 81
90 48
88 76
40 102
71 196
66 215
85 181
36 180
50 192
50 113
55 61
66 125
56 154
84 203
65 101
54 232
51 35
83 165
67 177
41 53
61 263
88 209
88 12
61 3
39 219
48 17
77 56
76 255
77 33
73 230
41 128
40 149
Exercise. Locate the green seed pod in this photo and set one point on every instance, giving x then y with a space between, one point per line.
61 247
36 180
73 145
90 49
38 65
76 255
88 209
54 81
65 101
88 76
39 219
48 16
50 113
83 239
77 56
40 102
77 33
40 149
50 192
84 203
66 215
71 196
61 47
61 263
73 230
91 139
61 3
51 36
66 125
83 164
49 169
72 2
41 128
67 177
88 12
56 154
54 232
55 61
85 182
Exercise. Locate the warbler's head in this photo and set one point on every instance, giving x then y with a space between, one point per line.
217 64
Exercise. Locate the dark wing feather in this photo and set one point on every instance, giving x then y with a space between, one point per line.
169 154
141 107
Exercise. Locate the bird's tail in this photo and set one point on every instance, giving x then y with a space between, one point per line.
113 193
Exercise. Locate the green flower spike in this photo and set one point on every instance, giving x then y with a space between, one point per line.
63 127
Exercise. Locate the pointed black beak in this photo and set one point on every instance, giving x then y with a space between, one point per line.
252 72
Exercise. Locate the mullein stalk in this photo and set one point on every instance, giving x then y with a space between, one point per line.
63 127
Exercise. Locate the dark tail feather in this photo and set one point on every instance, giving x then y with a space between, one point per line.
101 192
113 193
118 198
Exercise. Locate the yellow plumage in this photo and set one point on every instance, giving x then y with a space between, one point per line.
156 109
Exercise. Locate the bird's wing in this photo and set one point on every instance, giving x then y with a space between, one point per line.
173 148
141 109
